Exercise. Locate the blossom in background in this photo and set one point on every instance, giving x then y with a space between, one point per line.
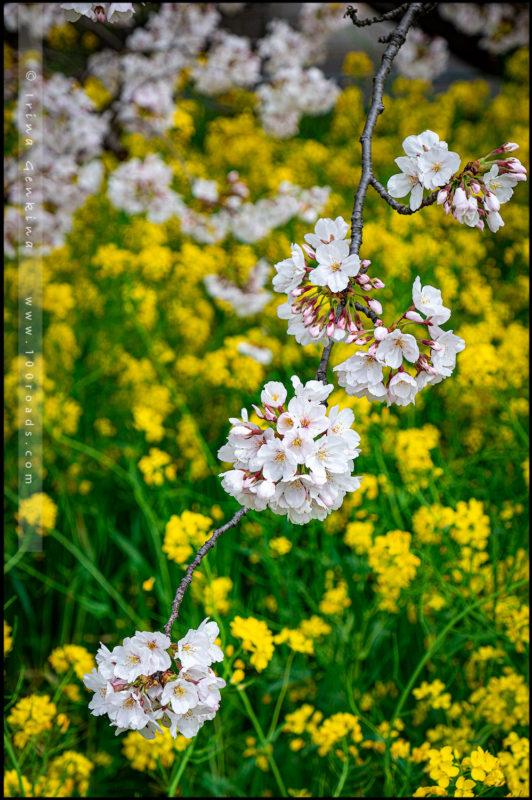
147 682
422 57
299 463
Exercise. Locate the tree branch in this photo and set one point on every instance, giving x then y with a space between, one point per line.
397 40
399 207
352 13
204 549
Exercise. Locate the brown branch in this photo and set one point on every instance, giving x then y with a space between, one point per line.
204 549
352 13
399 207
397 40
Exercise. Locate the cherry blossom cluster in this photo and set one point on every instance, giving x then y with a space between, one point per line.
475 195
379 373
147 682
323 283
428 164
299 463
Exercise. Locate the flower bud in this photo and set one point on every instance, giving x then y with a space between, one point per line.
475 187
380 333
442 196
330 329
375 305
480 225
509 147
377 283
372 349
315 331
258 411
363 279
432 344
413 316
491 202
269 414
365 263
309 251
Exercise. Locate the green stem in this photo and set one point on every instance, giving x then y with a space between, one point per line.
343 776
264 742
174 782
13 758
282 694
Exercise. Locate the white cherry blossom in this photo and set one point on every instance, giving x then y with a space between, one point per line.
335 265
402 389
408 180
428 300
396 346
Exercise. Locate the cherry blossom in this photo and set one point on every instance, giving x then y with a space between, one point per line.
147 682
298 465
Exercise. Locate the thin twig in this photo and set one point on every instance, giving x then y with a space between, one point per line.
399 207
204 549
361 23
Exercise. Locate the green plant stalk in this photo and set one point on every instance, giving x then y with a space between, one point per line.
174 782
264 742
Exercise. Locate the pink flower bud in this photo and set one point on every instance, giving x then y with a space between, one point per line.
518 176
315 331
363 279
269 414
514 165
330 329
432 344
365 263
380 333
475 187
309 251
413 316
447 207
308 311
258 411
372 350
297 292
480 225
361 340
509 147
341 324
377 283
350 339
442 196
375 306
491 202
351 326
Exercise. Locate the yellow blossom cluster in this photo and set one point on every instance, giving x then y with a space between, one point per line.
32 715
394 567
8 639
39 512
72 655
213 593
156 467
257 639
336 597
146 754
184 534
